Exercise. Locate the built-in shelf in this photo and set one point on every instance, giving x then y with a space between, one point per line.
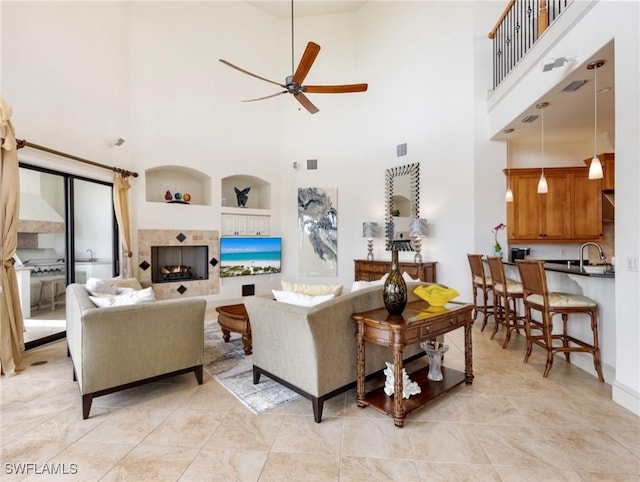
259 195
177 179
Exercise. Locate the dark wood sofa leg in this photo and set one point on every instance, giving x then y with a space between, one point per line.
198 372
86 405
317 404
256 375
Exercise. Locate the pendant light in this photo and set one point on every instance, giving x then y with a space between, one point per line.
508 195
542 183
595 168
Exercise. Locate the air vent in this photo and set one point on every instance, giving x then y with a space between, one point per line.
529 118
312 164
401 149
575 85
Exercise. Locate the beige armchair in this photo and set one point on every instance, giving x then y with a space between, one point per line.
119 347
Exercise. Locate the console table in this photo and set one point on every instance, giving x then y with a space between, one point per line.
374 270
418 322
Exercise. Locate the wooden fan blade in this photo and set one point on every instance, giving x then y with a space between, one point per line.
307 60
306 103
249 73
267 97
334 89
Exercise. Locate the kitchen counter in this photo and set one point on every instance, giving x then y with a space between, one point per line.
600 288
571 269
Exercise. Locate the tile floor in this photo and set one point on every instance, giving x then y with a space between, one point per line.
510 425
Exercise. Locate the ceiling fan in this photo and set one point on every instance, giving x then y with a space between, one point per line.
293 83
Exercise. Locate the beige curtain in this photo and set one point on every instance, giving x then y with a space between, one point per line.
11 323
121 187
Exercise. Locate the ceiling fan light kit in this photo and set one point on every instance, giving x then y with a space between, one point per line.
293 83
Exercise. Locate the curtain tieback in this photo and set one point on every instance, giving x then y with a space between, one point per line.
8 263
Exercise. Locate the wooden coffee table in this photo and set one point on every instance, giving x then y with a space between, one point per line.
418 322
234 318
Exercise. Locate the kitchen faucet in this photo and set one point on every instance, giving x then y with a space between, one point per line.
600 252
91 258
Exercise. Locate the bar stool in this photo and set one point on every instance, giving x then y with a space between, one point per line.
49 292
538 298
506 292
479 281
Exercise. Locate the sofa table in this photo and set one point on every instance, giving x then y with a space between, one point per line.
418 322
235 318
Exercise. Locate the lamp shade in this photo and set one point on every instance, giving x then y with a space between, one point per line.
595 168
417 227
543 187
369 230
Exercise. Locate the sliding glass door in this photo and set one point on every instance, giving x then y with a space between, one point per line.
67 233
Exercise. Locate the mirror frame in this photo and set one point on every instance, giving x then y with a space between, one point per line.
413 171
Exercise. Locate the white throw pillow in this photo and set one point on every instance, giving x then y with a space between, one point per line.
300 299
360 285
407 278
312 289
132 283
97 287
132 297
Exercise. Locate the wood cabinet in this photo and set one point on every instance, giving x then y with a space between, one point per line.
374 270
571 211
245 225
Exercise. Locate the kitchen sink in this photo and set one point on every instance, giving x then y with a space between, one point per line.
595 269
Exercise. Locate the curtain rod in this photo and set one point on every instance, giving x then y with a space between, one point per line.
23 143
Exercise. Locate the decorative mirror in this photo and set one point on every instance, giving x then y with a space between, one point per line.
402 199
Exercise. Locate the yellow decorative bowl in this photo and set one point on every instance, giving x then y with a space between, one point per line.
435 294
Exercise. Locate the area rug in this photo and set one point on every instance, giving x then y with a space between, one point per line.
227 363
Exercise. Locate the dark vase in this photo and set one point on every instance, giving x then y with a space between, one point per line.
394 292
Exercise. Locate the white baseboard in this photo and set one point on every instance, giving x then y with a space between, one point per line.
626 397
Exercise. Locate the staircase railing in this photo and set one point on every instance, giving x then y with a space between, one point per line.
521 24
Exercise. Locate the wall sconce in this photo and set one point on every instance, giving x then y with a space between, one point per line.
417 230
369 231
595 168
543 188
508 195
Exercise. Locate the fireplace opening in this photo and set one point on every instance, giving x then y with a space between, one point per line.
179 263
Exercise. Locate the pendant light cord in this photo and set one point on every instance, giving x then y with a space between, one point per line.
542 138
595 111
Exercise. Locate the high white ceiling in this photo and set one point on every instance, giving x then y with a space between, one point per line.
305 8
569 115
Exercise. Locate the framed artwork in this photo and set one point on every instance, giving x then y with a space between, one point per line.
318 231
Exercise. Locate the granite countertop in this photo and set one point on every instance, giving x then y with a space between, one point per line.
570 268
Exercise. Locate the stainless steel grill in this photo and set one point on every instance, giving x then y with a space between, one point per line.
43 261
44 264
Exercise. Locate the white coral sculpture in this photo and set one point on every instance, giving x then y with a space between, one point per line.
408 387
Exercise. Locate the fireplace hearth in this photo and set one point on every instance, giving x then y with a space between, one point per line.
179 263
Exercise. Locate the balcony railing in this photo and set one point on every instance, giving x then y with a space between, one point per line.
518 28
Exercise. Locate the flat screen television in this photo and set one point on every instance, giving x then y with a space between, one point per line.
249 256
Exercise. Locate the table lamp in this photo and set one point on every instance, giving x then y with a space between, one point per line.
369 231
417 230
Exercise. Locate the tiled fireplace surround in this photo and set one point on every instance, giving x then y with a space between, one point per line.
170 237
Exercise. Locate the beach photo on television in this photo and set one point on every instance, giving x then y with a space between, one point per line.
249 256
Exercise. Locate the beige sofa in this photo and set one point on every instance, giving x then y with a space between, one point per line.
313 350
119 347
